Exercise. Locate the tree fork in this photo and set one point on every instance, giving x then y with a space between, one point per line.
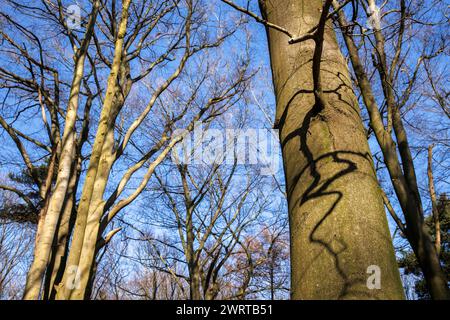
83 248
43 249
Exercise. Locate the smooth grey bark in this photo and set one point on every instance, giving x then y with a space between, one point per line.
43 248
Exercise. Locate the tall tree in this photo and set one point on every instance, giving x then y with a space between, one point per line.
121 51
337 220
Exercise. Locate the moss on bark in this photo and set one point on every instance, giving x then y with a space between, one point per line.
337 221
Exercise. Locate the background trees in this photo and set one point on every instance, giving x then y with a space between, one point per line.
408 260
159 40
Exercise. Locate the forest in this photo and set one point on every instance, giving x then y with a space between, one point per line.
224 150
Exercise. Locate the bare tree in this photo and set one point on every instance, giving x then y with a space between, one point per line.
15 239
160 37
329 171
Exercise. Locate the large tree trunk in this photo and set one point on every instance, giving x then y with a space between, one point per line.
337 221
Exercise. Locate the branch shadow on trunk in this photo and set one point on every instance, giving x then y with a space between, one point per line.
321 188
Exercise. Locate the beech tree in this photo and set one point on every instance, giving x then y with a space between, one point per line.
337 222
76 205
392 72
211 208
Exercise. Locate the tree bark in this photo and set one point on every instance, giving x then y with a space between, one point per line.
90 209
58 260
338 227
437 222
43 249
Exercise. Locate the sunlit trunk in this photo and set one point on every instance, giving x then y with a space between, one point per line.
339 230
90 208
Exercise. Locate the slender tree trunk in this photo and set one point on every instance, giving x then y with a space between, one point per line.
48 229
90 209
45 193
337 221
272 287
437 222
191 257
271 257
43 249
59 256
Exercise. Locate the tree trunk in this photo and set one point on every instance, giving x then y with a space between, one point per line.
194 283
43 249
90 210
337 221
437 222
57 263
